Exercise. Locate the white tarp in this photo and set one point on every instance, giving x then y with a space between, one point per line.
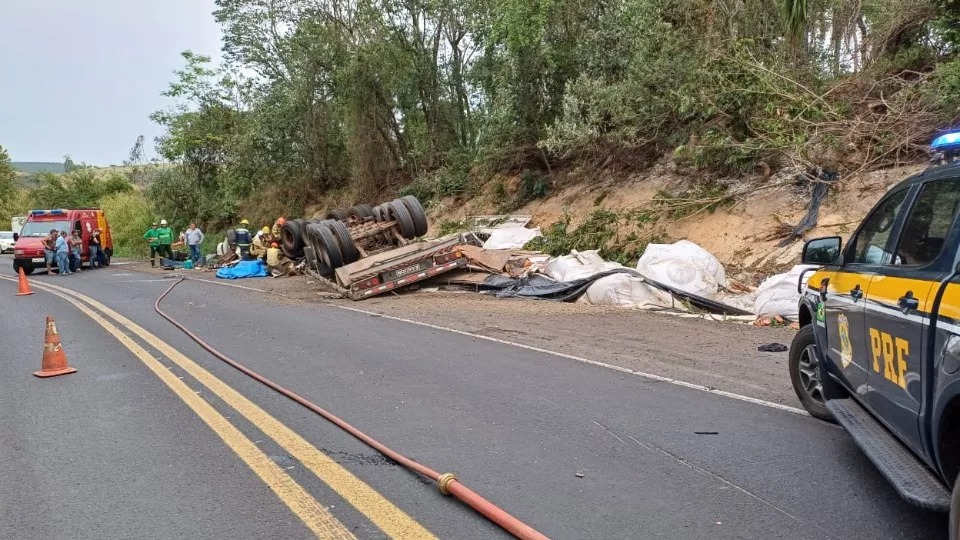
683 265
617 290
578 265
626 291
778 295
510 238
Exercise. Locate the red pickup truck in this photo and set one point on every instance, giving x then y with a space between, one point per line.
28 250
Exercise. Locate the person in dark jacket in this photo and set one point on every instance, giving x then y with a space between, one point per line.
244 239
76 252
94 244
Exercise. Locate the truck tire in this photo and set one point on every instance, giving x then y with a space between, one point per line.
325 245
347 248
805 374
292 238
380 213
398 212
360 212
337 214
417 213
310 253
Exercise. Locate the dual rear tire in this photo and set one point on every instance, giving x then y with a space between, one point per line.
332 244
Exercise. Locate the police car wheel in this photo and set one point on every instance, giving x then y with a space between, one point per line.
955 511
805 374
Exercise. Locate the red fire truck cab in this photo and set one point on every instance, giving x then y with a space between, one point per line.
28 251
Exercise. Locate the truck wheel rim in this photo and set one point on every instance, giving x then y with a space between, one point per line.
810 373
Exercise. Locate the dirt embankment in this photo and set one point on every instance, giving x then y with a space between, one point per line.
744 234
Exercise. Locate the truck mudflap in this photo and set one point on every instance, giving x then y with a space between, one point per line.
392 270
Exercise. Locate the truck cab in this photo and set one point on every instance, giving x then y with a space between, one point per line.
28 252
878 350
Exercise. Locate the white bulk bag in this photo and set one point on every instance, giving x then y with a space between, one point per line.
578 265
778 295
626 291
683 265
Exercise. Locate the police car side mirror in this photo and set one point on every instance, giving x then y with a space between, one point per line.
822 251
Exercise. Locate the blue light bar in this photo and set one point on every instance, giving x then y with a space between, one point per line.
945 141
58 212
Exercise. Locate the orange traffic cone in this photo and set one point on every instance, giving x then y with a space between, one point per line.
24 285
54 361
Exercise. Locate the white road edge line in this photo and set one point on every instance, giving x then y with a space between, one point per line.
136 280
621 369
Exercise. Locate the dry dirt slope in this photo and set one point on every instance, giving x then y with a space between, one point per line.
741 235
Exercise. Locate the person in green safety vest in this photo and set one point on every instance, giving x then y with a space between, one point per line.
165 237
243 239
151 236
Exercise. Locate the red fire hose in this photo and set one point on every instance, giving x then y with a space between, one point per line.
448 483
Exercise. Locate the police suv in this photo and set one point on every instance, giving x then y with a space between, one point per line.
878 350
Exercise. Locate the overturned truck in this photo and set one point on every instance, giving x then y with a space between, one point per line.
367 250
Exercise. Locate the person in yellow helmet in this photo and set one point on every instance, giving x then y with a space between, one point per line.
244 239
260 243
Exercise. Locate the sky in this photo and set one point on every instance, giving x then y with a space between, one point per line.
81 77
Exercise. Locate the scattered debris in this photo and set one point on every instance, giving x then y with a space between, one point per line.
773 347
770 321
579 474
679 278
706 432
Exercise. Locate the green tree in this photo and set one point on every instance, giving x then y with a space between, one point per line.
7 175
10 199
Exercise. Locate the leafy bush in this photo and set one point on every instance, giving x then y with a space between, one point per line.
615 234
130 215
943 90
532 187
177 197
441 183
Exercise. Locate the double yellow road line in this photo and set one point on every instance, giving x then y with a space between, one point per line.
380 511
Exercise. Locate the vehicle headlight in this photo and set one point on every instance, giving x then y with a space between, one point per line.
17 252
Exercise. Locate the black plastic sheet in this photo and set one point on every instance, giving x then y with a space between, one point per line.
539 286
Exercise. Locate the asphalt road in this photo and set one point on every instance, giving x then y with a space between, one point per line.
576 451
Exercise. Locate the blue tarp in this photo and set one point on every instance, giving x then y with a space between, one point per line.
244 269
